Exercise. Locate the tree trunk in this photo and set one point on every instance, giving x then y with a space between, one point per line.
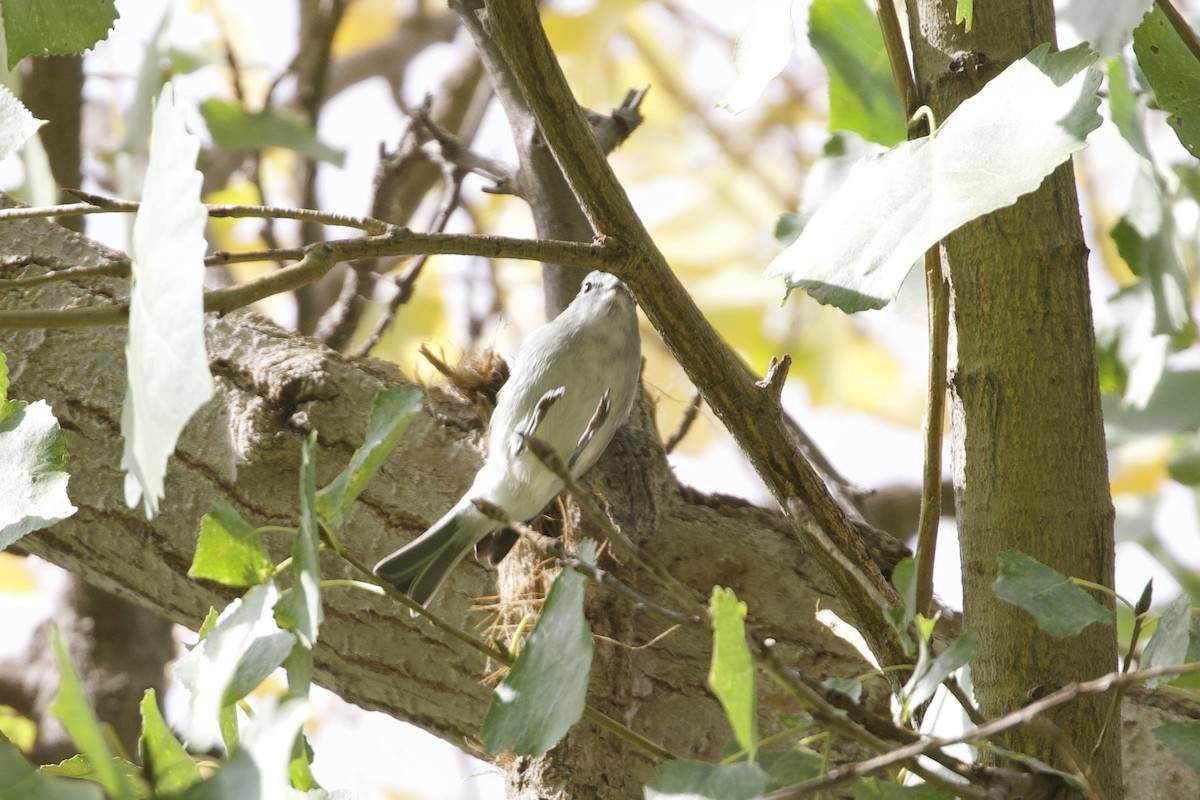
1030 467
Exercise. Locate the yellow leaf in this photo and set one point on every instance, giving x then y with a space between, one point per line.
1140 467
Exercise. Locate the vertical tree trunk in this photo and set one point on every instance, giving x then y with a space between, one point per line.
1030 468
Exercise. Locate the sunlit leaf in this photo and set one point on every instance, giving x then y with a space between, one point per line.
167 364
244 646
16 123
731 675
230 550
522 715
166 762
73 711
258 768
33 460
300 610
391 412
862 92
995 147
1173 73
761 52
55 27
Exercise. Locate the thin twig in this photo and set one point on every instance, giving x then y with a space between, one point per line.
996 726
553 546
592 513
937 294
685 423
495 653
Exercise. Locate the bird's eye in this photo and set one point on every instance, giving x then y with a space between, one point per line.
587 286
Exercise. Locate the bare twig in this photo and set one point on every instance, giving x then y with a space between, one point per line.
937 293
685 423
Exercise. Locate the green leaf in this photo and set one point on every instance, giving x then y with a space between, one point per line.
923 684
300 610
1171 408
1060 607
233 127
20 781
762 50
731 675
996 146
1182 739
33 460
695 780
72 710
1147 240
391 412
1126 107
55 27
875 789
964 14
523 716
791 766
1173 73
1168 646
1184 465
166 359
258 768
862 92
244 646
230 550
904 578
164 759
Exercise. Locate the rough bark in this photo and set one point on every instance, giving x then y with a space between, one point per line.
272 389
1030 467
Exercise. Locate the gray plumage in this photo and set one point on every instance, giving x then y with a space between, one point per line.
591 348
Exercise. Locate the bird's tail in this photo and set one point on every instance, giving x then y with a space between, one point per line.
420 567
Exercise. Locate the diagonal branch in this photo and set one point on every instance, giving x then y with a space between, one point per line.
748 411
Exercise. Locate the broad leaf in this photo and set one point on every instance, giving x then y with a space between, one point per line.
522 715
695 780
258 769
20 781
55 27
1060 607
731 675
1173 73
391 411
33 460
230 550
761 52
244 646
16 123
995 147
904 578
166 763
235 128
1168 646
922 686
862 93
167 364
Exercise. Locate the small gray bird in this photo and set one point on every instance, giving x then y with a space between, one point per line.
572 386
